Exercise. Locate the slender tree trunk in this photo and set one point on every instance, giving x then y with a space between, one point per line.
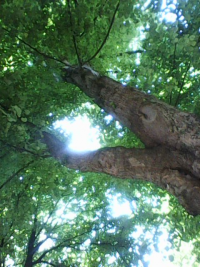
30 249
171 158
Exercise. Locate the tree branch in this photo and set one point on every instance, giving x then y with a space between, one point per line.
16 173
181 86
106 37
60 245
139 51
157 165
49 216
49 263
73 37
30 246
22 149
153 121
36 50
174 67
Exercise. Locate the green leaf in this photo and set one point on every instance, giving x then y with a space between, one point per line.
17 110
24 119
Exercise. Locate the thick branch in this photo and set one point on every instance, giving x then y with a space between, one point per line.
157 165
154 122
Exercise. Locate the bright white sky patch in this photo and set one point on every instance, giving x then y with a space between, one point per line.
108 118
83 137
9 262
119 209
167 13
63 214
156 259
49 243
86 244
111 259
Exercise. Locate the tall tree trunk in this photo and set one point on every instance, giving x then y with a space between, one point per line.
171 158
153 121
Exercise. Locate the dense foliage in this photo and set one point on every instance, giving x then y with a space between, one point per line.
53 216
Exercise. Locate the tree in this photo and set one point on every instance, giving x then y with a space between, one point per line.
147 79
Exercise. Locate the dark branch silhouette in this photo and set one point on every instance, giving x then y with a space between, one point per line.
36 50
181 86
73 37
16 173
174 67
106 37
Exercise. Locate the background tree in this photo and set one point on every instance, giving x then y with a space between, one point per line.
134 43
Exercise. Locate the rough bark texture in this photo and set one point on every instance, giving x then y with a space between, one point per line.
171 158
154 122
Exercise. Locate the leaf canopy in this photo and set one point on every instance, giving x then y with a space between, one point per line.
42 201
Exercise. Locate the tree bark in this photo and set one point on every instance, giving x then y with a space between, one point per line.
171 158
167 169
153 121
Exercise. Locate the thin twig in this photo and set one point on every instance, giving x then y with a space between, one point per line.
60 245
181 86
106 37
174 67
76 49
74 39
49 263
16 173
36 50
139 51
22 149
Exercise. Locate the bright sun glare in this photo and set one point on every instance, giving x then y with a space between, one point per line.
82 136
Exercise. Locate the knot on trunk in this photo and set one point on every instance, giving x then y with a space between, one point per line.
149 114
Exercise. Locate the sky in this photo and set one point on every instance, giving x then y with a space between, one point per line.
83 137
